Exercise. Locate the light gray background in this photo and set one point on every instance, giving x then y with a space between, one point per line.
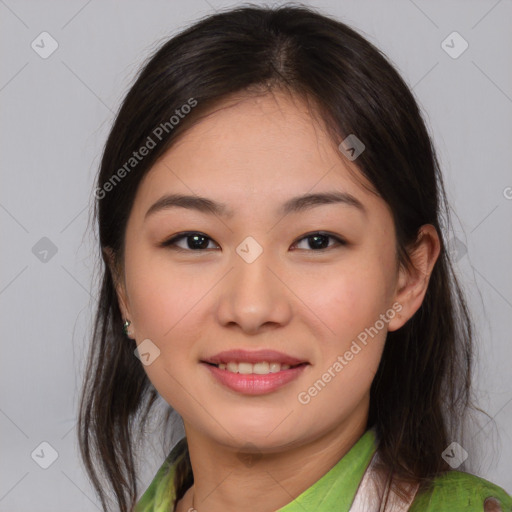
56 113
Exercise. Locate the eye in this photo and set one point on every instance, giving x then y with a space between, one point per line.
320 241
196 241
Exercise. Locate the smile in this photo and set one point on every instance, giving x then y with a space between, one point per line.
248 381
260 368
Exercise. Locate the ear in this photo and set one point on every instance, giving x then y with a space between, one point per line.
412 283
115 271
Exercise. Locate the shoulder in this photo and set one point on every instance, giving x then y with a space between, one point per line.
455 491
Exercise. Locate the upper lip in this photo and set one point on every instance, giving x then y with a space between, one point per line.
238 356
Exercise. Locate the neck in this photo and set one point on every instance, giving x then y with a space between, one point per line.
230 478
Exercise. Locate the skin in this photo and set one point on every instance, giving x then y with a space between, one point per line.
253 154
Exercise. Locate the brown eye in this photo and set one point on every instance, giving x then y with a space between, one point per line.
194 241
319 241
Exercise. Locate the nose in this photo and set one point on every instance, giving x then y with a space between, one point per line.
254 297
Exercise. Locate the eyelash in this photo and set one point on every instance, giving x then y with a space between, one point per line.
171 242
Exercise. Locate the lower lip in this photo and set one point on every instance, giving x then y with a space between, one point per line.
254 384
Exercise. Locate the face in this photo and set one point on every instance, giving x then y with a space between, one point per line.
317 282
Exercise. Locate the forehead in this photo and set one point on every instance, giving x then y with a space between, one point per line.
263 130
258 149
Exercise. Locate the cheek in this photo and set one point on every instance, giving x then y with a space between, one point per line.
350 304
349 354
163 305
349 300
161 294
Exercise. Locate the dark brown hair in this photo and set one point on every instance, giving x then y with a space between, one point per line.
421 392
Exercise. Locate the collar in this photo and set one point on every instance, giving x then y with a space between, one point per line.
336 489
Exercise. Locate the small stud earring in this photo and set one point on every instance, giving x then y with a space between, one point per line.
127 324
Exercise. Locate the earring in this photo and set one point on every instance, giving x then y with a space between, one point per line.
127 324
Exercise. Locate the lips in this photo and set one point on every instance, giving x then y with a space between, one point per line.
253 357
254 379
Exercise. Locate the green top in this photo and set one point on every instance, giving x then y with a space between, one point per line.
452 491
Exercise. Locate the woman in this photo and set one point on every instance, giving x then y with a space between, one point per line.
270 211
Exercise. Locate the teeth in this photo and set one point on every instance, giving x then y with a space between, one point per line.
233 367
275 367
244 368
262 368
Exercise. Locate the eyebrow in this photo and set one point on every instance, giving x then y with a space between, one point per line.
293 205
